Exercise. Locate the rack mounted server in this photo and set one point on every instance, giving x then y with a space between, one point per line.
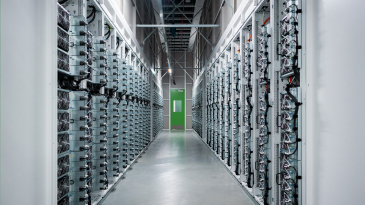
104 103
247 104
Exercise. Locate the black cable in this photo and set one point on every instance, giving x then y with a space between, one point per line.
250 173
92 12
108 35
92 18
109 32
229 151
118 44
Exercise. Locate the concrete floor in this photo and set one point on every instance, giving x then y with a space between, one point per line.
177 169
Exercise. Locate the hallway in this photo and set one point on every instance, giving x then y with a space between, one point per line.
177 169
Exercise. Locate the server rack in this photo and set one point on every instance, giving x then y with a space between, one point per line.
106 115
253 95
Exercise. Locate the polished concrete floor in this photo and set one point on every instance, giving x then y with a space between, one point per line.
177 169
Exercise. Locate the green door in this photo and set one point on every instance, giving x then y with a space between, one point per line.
177 100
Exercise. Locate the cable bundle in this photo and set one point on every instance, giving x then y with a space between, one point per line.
215 115
197 106
289 41
248 118
219 115
228 108
209 114
157 110
289 146
290 104
222 110
236 117
263 146
263 56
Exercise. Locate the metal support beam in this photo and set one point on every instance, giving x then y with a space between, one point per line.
199 6
177 42
185 70
182 66
149 35
144 31
204 38
173 9
188 73
176 61
177 25
163 74
186 35
186 12
195 55
159 51
230 6
181 29
191 45
160 9
176 18
194 26
192 34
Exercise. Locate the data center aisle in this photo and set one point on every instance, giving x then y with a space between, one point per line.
177 169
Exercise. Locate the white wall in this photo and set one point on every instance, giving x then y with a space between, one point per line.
335 102
129 13
119 3
28 166
226 14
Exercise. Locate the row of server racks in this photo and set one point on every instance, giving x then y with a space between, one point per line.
247 105
107 99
